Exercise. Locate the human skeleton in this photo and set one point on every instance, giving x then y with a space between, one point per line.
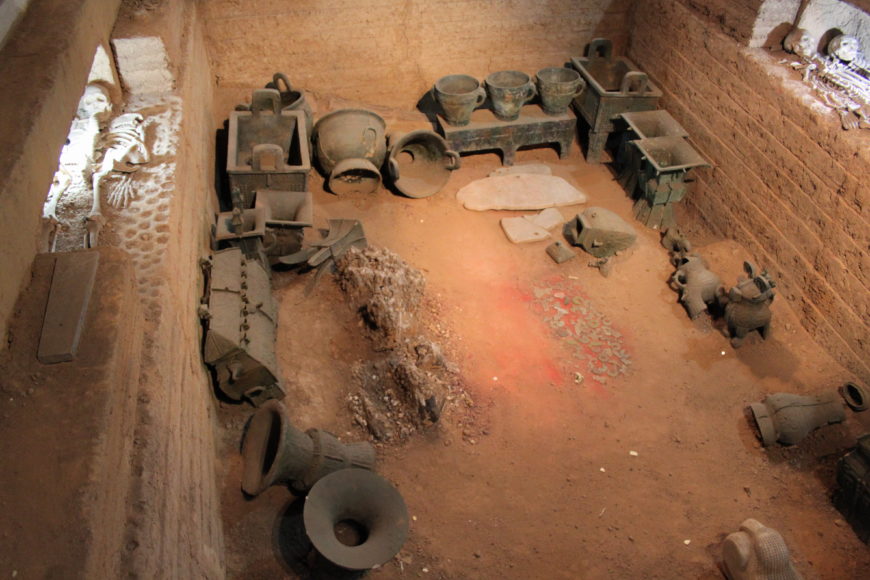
842 78
122 146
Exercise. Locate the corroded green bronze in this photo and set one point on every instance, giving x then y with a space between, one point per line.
614 85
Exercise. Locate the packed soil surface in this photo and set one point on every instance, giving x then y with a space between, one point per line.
614 445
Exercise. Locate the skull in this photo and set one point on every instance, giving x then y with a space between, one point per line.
844 47
800 42
95 102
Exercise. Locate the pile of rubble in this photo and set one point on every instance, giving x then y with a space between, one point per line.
407 387
386 290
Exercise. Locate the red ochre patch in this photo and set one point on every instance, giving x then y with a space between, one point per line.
589 334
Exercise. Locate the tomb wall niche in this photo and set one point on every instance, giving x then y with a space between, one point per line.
823 19
46 59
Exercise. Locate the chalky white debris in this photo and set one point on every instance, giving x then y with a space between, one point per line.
122 148
842 78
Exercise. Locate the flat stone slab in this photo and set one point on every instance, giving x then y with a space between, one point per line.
519 192
519 230
71 286
535 168
531 228
547 219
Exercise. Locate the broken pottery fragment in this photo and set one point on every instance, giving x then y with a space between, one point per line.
560 253
519 191
531 228
528 168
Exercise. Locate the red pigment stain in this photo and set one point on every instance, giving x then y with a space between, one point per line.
516 349
574 321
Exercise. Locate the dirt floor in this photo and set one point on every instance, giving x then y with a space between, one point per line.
626 456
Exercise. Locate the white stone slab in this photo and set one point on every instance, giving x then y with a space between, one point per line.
519 230
547 219
519 192
534 168
531 228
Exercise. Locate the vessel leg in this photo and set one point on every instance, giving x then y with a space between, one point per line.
597 139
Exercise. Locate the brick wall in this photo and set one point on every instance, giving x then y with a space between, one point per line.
390 53
788 183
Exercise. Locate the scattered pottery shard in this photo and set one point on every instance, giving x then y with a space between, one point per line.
520 191
528 168
531 228
559 252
